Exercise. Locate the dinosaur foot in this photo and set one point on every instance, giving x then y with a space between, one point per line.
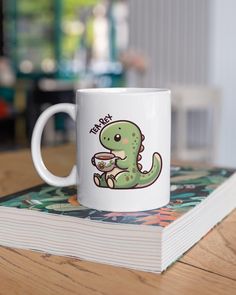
111 181
96 179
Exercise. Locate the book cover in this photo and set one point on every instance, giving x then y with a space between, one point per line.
189 187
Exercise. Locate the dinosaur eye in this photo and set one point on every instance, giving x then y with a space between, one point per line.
117 137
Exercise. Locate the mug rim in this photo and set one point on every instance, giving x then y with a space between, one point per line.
122 90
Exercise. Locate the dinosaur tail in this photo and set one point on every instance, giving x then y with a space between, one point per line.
151 176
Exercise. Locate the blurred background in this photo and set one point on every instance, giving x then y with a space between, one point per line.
49 48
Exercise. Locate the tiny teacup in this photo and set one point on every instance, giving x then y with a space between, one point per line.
105 162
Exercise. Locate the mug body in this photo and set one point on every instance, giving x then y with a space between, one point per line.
123 148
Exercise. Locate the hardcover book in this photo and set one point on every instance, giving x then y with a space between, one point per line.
50 219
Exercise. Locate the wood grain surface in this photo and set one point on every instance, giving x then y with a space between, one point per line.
207 268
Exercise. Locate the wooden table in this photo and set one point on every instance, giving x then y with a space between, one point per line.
208 268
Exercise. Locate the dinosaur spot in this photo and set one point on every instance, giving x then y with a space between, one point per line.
127 178
131 176
108 139
119 128
133 134
104 137
133 147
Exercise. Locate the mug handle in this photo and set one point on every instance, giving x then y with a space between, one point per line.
44 173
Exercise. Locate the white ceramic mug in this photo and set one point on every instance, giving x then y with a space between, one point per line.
123 148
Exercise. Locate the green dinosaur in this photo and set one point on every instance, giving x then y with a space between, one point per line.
124 140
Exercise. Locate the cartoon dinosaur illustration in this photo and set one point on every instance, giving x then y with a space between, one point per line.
124 140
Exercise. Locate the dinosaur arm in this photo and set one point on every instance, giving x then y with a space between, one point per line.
122 163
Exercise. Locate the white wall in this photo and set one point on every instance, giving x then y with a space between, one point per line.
222 72
190 42
173 36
